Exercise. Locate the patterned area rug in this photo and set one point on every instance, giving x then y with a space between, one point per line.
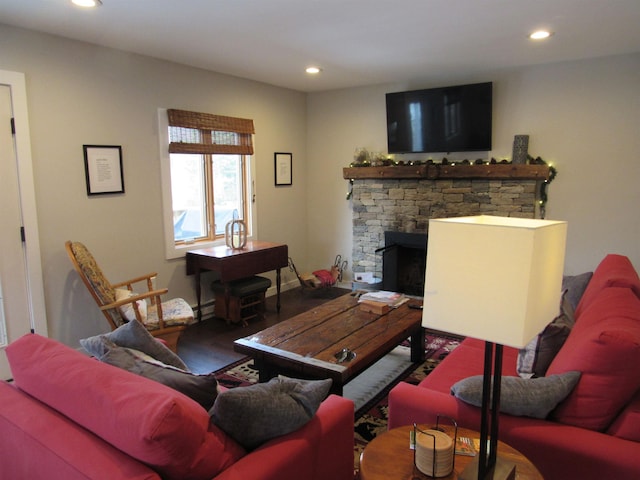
371 417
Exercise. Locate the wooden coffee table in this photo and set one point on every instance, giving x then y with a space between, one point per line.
388 457
310 345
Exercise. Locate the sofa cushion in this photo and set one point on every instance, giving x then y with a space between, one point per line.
132 335
575 286
528 397
536 356
254 414
150 422
201 388
604 345
613 271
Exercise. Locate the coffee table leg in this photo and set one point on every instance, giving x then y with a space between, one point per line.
336 388
417 346
265 372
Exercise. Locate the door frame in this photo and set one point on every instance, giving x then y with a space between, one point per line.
37 310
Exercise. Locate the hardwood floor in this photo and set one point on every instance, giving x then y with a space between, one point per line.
208 346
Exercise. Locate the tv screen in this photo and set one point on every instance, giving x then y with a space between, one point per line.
447 119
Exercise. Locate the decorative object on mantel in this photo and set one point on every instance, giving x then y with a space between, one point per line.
235 232
520 149
361 158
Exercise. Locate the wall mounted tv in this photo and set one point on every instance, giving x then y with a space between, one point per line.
447 119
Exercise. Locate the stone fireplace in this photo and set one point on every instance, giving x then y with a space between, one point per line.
403 199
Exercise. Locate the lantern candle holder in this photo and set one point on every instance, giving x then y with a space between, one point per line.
235 233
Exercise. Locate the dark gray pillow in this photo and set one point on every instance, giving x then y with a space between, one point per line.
201 388
576 285
534 359
522 397
255 414
133 335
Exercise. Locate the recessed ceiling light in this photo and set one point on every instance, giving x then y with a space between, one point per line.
540 35
312 70
87 3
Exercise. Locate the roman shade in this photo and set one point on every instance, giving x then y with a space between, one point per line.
205 133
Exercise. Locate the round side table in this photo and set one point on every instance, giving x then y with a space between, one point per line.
388 457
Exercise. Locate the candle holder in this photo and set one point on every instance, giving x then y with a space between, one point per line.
434 450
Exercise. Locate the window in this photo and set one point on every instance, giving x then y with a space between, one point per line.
206 172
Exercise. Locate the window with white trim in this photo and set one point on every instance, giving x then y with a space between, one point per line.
206 177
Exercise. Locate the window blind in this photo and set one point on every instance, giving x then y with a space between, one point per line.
205 133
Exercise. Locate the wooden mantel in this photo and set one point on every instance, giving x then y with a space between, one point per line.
438 171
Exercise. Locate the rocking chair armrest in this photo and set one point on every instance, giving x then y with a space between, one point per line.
133 299
128 283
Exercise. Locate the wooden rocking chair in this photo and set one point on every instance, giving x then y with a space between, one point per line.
119 304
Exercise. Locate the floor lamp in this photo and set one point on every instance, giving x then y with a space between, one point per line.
496 279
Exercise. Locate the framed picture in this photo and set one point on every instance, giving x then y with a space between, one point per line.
282 164
103 169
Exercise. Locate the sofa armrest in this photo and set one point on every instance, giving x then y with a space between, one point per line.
322 449
563 451
31 446
559 451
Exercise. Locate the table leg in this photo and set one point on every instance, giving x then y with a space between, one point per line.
337 389
278 290
417 345
265 371
198 291
227 298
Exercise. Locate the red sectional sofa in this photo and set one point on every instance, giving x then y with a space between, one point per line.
594 433
68 416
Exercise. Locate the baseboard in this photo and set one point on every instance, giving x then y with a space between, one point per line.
284 286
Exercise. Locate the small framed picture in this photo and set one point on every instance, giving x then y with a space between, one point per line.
103 169
282 164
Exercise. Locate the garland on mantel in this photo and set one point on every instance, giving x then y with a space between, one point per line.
544 197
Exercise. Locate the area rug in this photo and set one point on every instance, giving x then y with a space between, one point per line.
369 390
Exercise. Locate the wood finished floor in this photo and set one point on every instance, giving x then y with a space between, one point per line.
208 346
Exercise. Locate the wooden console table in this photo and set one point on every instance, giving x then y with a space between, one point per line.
233 264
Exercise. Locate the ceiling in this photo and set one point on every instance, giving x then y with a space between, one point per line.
354 42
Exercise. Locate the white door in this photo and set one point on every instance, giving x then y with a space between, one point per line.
21 295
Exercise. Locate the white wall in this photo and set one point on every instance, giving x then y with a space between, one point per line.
81 94
582 116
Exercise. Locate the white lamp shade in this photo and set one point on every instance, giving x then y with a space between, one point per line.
497 279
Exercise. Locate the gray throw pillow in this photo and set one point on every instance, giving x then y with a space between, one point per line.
523 397
576 285
255 414
201 388
133 335
534 359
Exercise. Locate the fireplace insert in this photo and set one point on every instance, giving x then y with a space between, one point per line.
404 258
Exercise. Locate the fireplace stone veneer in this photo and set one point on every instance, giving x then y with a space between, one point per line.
406 205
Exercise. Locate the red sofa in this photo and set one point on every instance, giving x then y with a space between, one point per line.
594 433
69 416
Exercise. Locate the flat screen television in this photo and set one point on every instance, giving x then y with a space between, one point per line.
446 119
